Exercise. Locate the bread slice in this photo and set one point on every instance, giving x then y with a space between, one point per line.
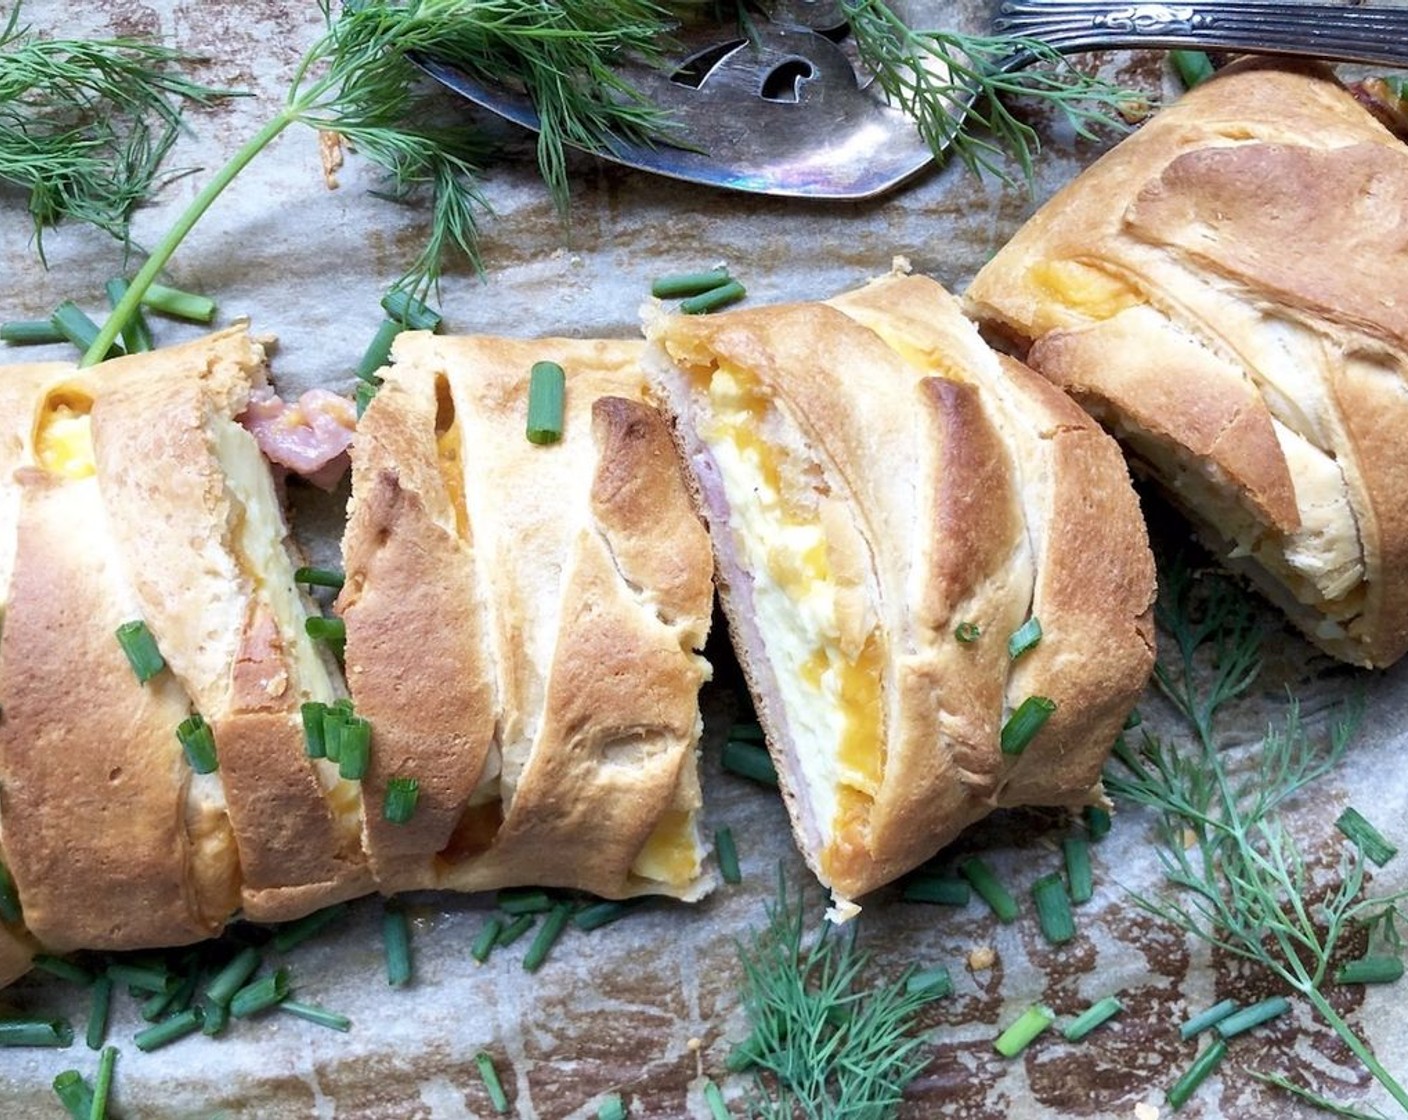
1226 291
880 486
523 624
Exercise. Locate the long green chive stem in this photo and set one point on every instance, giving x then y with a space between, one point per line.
404 308
714 1098
10 909
1023 724
1196 1074
168 1030
99 1007
1364 836
74 1093
30 332
63 968
313 713
320 577
396 944
215 1018
260 995
356 752
941 890
1092 1017
102 1085
603 913
378 351
727 852
749 732
1076 850
230 979
749 760
547 390
989 888
519 900
136 334
198 741
1097 822
399 805
730 291
931 983
143 977
612 1108
366 391
36 1032
967 632
1370 970
1053 909
1020 1034
325 629
1253 1015
515 929
1194 67
486 939
1206 1019
676 285
178 304
497 1098
75 326
140 647
1024 638
547 936
315 1014
295 933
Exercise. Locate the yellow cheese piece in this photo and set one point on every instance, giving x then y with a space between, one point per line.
1080 292
63 437
449 447
671 852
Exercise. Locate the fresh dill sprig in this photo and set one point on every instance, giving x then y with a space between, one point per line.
824 1046
1243 884
85 124
949 82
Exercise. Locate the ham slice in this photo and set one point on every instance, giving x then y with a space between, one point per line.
309 436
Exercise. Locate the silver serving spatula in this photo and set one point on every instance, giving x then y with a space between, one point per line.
790 113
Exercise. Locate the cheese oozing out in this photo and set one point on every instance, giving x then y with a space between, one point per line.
63 435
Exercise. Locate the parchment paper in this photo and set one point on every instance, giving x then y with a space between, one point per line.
648 1007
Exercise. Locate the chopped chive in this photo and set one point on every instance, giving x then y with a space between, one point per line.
989 888
75 326
1196 1074
404 308
1094 1015
230 979
606 911
366 392
1023 724
941 890
143 977
10 909
547 936
611 1108
168 1030
320 577
178 304
1024 638
967 632
102 1085
30 332
215 1018
497 1098
325 629
313 713
136 335
1053 909
714 1098
749 760
1194 67
1076 850
198 741
518 900
158 1004
730 291
396 943
727 852
1370 970
141 649
486 939
676 285
295 933
547 388
36 1032
1253 1015
1133 720
749 732
74 1093
355 750
1097 821
260 995
63 968
333 719
378 351
315 1014
1364 836
514 930
931 983
1206 1019
1020 1034
399 805
98 1010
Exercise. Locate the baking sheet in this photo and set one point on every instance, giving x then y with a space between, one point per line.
648 1008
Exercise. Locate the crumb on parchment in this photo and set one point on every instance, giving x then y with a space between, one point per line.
1146 1111
330 152
981 958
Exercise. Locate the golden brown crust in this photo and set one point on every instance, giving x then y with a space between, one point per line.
1226 289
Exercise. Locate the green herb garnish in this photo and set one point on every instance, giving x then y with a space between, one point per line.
547 386
141 649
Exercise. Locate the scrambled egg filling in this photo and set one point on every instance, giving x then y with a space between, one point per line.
63 437
1073 293
671 853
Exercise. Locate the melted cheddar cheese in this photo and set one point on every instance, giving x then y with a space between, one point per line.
63 436
449 449
671 852
1071 292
